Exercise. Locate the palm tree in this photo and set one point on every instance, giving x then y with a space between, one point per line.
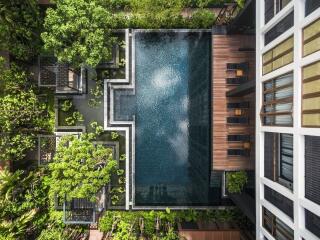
14 220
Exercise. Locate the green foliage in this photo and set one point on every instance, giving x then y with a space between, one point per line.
15 146
22 114
79 31
122 157
54 232
11 79
114 135
75 119
97 93
122 62
23 203
210 3
236 181
96 128
168 14
156 14
74 173
157 224
202 18
20 24
66 105
21 111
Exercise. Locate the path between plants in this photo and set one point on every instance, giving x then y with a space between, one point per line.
95 234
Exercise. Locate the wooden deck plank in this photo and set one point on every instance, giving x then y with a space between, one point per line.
225 50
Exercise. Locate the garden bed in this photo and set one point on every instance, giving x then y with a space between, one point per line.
116 67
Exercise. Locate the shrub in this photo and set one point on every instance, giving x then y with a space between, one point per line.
66 105
202 18
236 181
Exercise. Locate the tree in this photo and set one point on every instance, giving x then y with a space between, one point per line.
19 27
80 168
22 114
79 31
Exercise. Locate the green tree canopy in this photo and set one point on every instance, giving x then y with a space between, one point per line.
20 25
79 31
80 168
23 204
22 114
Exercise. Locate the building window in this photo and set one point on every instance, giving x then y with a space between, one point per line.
312 168
272 7
278 101
286 158
311 5
311 38
278 56
279 28
282 203
312 223
311 95
278 229
278 158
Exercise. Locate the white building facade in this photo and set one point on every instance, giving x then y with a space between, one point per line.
288 119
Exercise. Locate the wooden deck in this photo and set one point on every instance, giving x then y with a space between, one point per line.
211 231
226 50
210 235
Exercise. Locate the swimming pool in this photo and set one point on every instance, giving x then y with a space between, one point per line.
172 118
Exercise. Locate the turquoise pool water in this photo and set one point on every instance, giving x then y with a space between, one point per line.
172 114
